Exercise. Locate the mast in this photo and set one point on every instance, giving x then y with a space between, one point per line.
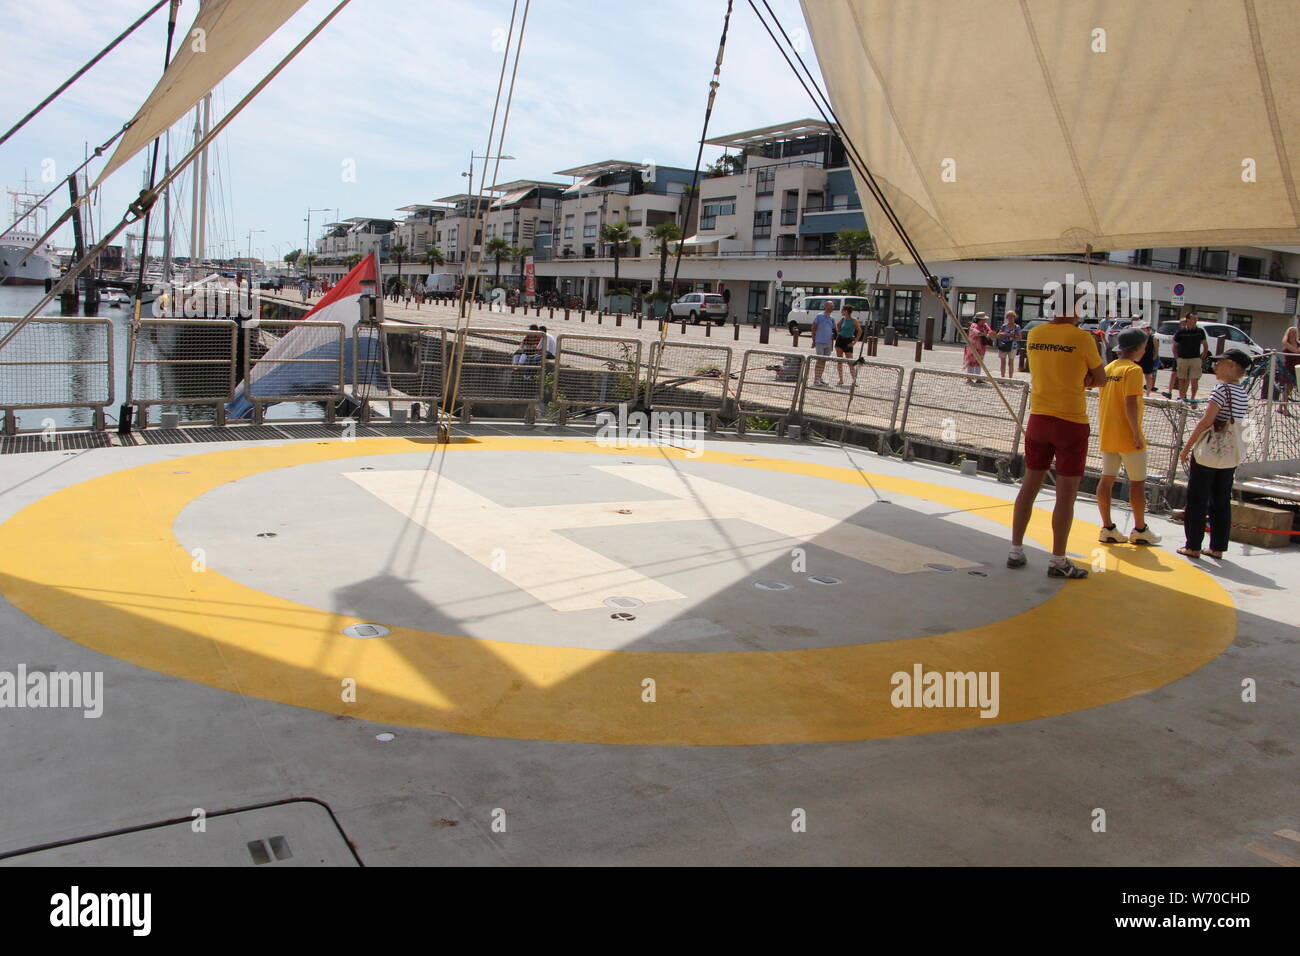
203 178
194 204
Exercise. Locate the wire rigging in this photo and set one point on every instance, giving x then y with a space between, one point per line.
823 105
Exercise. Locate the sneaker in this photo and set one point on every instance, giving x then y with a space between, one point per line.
1016 560
1143 536
1111 535
1067 570
819 383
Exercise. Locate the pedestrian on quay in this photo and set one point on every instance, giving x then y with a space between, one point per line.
846 333
1291 355
1191 348
1063 362
1008 341
1213 452
1122 440
979 334
793 328
1147 361
823 333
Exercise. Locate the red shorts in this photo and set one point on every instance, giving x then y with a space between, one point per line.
1047 437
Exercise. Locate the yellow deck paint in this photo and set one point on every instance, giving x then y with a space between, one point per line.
98 563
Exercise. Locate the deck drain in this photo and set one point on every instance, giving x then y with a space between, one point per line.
624 602
772 585
266 534
824 579
622 616
385 737
262 850
940 567
979 574
365 630
367 468
625 511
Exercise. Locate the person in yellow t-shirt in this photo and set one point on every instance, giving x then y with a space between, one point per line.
1122 440
1063 361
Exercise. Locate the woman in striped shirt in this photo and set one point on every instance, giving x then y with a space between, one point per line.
1209 490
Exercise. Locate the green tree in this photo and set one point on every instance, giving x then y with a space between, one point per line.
617 236
854 243
852 287
500 250
291 257
664 233
434 257
352 260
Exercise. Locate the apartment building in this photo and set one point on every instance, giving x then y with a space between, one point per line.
359 235
526 213
613 191
764 226
458 231
417 231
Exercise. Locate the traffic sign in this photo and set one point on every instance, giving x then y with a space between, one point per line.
780 274
1179 289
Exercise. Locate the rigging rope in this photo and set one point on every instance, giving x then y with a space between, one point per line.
699 157
147 198
76 76
823 105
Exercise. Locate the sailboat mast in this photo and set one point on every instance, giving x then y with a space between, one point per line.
203 178
194 204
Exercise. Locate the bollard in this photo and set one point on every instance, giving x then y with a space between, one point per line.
552 311
618 321
1024 361
736 329
873 344
539 311
512 308
929 334
708 328
638 323
582 316
919 345
683 328
566 315
600 316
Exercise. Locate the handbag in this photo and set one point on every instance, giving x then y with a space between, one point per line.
1222 446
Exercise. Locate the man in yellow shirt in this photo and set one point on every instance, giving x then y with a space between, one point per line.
1122 440
1063 361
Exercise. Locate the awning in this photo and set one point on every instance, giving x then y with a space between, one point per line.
585 181
510 198
698 240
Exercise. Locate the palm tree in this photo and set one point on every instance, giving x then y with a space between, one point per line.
434 257
500 250
853 286
291 257
397 251
352 260
854 243
617 235
665 233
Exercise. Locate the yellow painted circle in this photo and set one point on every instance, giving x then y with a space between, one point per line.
98 563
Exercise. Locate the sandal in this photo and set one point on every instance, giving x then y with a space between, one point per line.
1189 553
1216 555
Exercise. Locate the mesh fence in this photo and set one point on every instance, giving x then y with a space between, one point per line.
183 362
595 370
288 360
396 361
768 388
501 365
691 377
1272 431
867 401
57 363
949 410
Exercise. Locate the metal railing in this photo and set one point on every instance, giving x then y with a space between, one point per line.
183 363
868 402
500 367
594 370
1164 427
57 363
688 377
400 362
315 373
940 410
768 390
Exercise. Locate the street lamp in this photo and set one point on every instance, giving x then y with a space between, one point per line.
307 248
250 254
474 214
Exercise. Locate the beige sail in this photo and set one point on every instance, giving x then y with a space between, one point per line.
222 36
1006 127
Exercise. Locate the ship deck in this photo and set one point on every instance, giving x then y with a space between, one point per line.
589 652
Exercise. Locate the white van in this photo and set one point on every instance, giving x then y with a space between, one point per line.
803 310
1233 338
441 282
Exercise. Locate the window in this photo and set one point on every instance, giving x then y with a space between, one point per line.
1242 320
720 206
1249 267
589 225
766 181
763 224
966 305
1214 260
568 227
999 309
907 311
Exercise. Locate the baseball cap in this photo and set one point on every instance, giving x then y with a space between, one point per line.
1130 339
1236 355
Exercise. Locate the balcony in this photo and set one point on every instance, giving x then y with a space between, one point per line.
762 232
839 205
789 217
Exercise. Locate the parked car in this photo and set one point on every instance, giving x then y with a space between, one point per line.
1233 338
803 310
700 305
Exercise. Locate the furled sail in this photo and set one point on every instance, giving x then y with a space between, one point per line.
1009 127
222 36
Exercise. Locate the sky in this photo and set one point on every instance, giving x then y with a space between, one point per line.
398 93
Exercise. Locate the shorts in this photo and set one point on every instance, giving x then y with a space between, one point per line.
1188 370
1048 437
1135 464
844 345
824 349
